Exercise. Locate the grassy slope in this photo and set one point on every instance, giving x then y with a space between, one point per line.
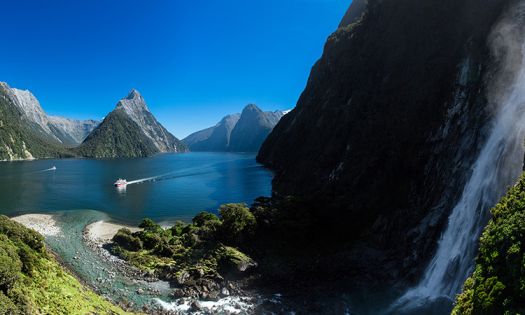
32 282
497 285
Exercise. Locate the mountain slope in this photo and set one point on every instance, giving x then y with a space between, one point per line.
65 131
32 281
251 127
216 138
71 132
20 138
130 130
386 131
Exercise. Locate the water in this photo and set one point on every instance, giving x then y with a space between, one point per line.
164 188
498 165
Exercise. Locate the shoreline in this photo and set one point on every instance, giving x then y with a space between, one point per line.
97 236
44 224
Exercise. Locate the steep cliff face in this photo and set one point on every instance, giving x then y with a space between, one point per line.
130 130
21 138
387 128
68 132
237 132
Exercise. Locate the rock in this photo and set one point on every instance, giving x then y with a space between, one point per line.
140 291
225 292
195 306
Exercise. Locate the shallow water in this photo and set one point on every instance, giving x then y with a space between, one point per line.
182 185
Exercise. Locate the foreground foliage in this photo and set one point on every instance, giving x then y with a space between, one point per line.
202 253
497 285
32 282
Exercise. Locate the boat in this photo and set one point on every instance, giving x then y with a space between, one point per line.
54 168
121 183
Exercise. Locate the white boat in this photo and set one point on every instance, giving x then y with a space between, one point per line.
121 183
54 168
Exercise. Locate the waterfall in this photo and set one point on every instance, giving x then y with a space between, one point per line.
498 166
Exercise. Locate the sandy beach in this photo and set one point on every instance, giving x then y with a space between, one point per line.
42 223
102 232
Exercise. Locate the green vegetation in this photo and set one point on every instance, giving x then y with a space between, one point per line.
18 140
32 282
187 253
117 136
497 285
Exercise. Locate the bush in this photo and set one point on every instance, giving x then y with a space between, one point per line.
203 217
176 230
127 241
150 226
10 265
7 307
150 239
237 221
28 258
17 232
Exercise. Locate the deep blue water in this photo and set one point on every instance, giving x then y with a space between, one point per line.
187 183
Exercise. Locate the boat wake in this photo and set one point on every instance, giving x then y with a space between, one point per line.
48 170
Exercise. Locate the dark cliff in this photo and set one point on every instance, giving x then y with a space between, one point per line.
386 130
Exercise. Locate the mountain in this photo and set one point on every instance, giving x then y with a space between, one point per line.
65 131
237 132
22 137
130 130
384 137
252 128
71 132
216 138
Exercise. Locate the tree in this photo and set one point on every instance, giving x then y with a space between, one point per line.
149 225
237 221
203 217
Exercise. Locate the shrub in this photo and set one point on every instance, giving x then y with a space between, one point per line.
10 265
127 241
7 307
236 221
176 230
150 240
203 217
150 226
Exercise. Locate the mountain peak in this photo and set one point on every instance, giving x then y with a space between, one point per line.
252 107
133 94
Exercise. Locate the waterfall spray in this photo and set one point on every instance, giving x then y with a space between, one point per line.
498 166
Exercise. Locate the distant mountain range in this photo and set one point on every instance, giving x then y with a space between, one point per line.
130 130
243 132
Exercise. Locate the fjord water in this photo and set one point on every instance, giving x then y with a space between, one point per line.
498 166
167 187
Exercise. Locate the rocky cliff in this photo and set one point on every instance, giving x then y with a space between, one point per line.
68 132
386 130
237 132
23 137
130 130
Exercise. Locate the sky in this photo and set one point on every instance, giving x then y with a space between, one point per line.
194 61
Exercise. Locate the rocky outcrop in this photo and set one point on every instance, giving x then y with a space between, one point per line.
237 132
386 130
130 130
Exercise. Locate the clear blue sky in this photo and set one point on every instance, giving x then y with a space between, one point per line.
193 60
